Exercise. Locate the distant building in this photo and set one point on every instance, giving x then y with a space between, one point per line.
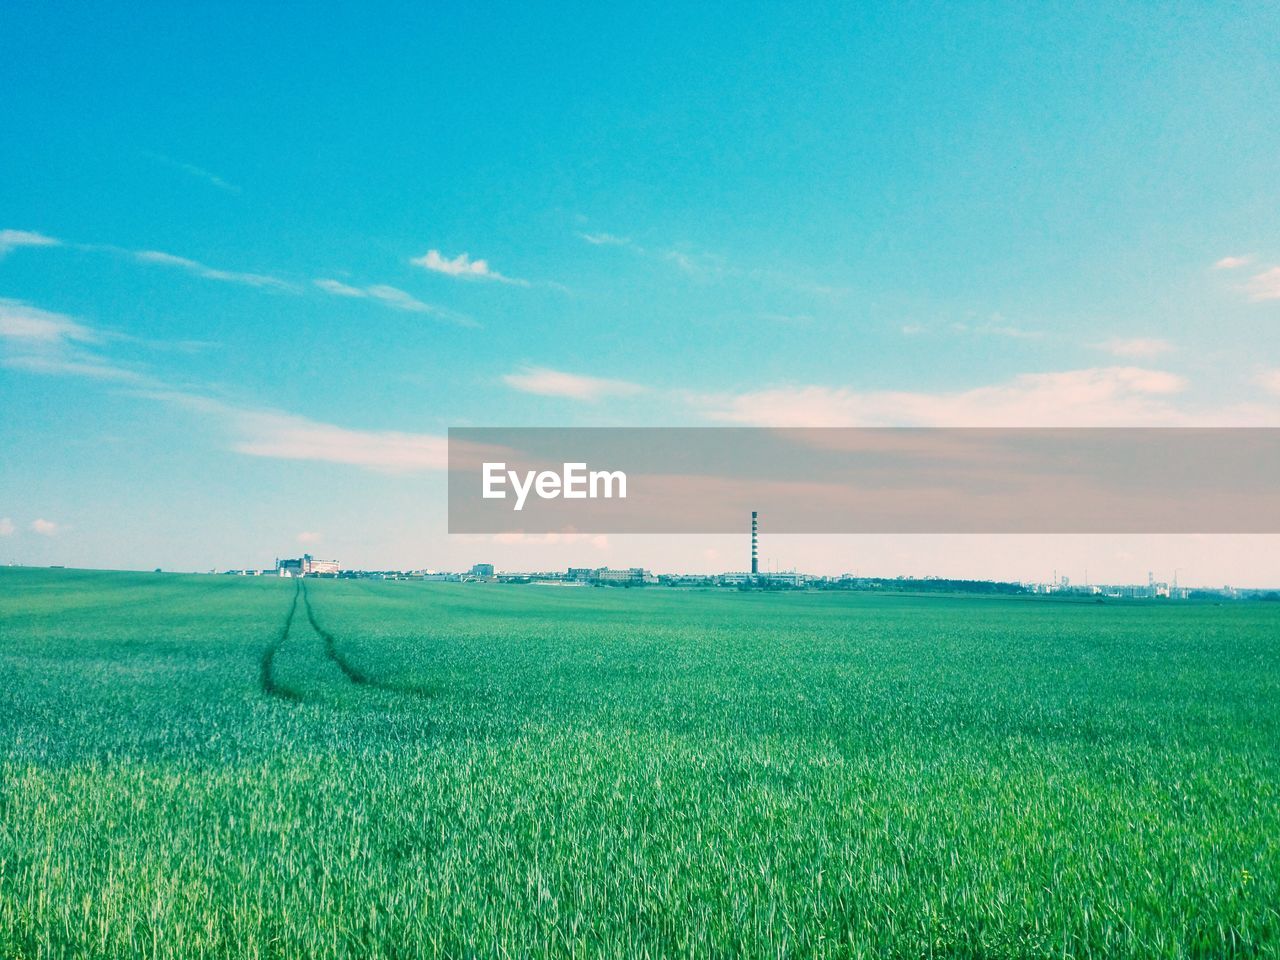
307 566
482 570
631 576
787 578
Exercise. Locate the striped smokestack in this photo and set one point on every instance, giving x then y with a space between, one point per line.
755 561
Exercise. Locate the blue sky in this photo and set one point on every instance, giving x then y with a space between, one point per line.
254 262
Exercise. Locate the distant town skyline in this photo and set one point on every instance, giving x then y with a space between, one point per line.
249 275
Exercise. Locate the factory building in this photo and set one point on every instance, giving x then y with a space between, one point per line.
307 566
631 576
782 578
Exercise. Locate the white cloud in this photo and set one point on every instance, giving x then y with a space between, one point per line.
394 298
46 528
287 436
399 300
47 338
998 329
463 267
21 321
703 265
10 239
1136 346
711 267
605 240
44 342
211 273
200 173
339 289
1232 263
6 527
49 344
309 537
1270 381
77 364
1099 396
682 260
557 383
1265 285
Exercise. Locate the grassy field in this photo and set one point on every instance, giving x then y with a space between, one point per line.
233 767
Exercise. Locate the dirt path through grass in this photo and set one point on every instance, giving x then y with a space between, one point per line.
266 678
348 670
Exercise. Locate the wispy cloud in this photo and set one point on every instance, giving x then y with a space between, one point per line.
1265 285
387 295
44 342
463 267
692 264
702 265
1136 346
997 328
45 528
1269 380
6 527
605 240
400 300
199 173
288 436
310 537
556 383
77 366
340 289
260 280
394 298
280 435
11 239
1098 396
1232 263
21 321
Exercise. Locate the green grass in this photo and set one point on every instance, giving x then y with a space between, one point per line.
419 770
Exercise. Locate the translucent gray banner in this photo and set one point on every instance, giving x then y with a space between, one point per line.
864 480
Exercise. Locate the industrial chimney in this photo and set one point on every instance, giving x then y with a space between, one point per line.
755 561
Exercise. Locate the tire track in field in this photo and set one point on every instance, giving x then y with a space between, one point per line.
266 678
349 670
